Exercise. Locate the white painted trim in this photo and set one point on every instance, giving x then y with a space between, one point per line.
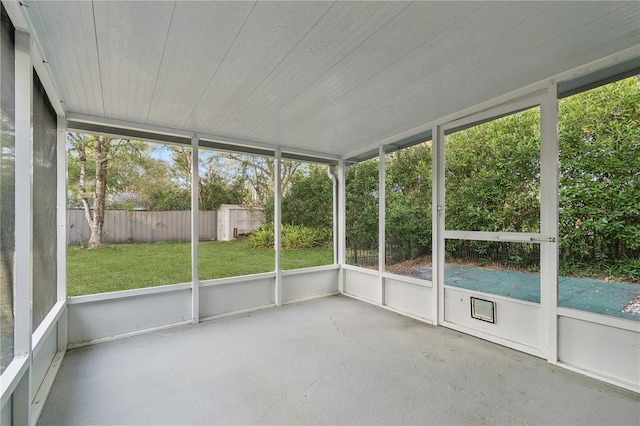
381 222
123 294
621 323
61 242
341 224
335 207
44 74
61 206
21 21
408 280
311 269
626 385
238 279
437 258
186 133
11 376
128 125
309 153
406 314
370 302
524 237
48 325
549 169
240 312
131 334
17 15
266 146
354 268
45 388
277 225
530 100
597 65
303 299
24 194
195 234
491 338
22 393
389 308
63 329
493 296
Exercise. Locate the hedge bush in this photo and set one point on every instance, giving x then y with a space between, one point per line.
293 237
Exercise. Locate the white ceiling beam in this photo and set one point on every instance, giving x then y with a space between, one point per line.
187 135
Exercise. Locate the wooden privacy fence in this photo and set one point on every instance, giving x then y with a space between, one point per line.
121 226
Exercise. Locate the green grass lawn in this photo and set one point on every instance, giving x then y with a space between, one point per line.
125 267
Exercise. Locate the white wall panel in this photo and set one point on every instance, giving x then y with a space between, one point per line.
5 418
113 317
414 299
518 322
219 299
600 349
362 285
42 359
301 286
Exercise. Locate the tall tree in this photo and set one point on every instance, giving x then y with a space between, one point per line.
98 165
259 172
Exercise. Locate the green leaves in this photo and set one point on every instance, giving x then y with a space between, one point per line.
492 175
293 237
600 180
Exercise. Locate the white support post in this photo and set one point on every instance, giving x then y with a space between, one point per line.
24 220
277 226
341 224
381 223
437 225
549 219
61 217
195 235
336 206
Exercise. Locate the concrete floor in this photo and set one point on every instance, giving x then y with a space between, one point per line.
327 361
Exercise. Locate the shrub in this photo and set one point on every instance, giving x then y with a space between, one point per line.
262 238
293 237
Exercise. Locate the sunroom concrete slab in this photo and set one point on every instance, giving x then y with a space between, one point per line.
327 361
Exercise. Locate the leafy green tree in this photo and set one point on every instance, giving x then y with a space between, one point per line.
309 200
408 202
259 173
215 190
492 175
599 133
361 212
92 154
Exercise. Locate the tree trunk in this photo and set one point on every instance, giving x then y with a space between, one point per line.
82 185
99 197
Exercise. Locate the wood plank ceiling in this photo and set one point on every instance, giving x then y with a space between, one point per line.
331 77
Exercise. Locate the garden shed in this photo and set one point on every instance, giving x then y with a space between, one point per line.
442 303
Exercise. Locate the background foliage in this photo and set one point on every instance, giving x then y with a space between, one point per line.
600 180
493 184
